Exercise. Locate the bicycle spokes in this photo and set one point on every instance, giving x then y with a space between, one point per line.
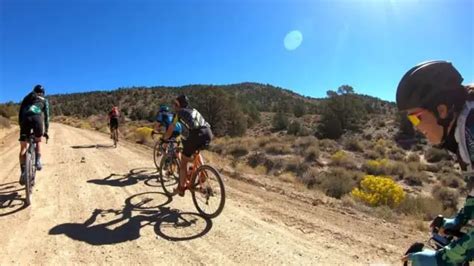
208 192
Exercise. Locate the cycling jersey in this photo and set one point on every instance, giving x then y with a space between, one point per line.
196 130
191 119
461 141
31 109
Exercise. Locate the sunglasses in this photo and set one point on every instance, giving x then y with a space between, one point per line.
415 118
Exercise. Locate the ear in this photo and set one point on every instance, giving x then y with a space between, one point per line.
442 111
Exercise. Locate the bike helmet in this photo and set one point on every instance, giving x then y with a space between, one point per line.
183 101
429 85
422 85
38 89
164 108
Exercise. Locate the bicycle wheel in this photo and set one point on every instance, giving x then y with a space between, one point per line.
156 155
169 174
115 138
30 171
208 191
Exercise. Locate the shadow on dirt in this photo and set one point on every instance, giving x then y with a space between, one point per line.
107 227
94 146
131 178
10 198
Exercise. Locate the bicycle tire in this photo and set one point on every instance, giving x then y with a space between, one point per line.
196 191
156 155
29 169
169 183
115 138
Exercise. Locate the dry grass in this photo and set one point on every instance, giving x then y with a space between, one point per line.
4 122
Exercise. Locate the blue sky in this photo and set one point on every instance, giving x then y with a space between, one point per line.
73 46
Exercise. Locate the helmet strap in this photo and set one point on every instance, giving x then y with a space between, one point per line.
444 122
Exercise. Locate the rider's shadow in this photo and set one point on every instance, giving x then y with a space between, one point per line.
129 179
126 226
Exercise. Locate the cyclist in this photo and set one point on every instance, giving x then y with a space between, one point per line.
114 115
164 119
440 107
197 133
34 111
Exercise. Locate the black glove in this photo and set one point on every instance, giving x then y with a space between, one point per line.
46 135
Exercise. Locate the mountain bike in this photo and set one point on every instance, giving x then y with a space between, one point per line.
169 165
437 240
30 167
115 136
206 186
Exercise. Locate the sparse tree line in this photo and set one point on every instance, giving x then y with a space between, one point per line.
230 109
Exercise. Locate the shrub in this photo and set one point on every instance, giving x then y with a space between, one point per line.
4 122
413 157
448 197
396 154
338 182
143 134
427 207
377 167
306 141
328 145
398 169
309 177
311 154
415 178
434 168
353 144
371 154
341 158
434 155
238 151
452 181
278 148
256 159
378 191
294 128
280 121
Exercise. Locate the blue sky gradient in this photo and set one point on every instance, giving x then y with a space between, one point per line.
76 46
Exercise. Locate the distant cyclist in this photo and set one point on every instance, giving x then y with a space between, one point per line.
33 116
114 115
164 119
442 109
197 132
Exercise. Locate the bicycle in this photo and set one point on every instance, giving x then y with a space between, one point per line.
30 167
169 165
206 186
437 240
115 136
157 151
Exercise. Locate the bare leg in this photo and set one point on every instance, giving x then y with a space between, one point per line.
23 148
183 170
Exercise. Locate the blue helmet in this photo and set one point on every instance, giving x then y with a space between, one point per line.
164 108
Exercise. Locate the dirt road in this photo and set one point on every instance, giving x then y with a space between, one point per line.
86 209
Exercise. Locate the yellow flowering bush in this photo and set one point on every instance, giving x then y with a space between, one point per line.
143 134
379 190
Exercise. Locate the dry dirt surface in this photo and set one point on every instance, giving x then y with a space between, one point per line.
94 204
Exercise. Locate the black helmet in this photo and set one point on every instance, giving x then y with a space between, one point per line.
38 89
423 84
183 101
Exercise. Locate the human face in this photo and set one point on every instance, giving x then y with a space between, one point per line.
426 122
176 106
